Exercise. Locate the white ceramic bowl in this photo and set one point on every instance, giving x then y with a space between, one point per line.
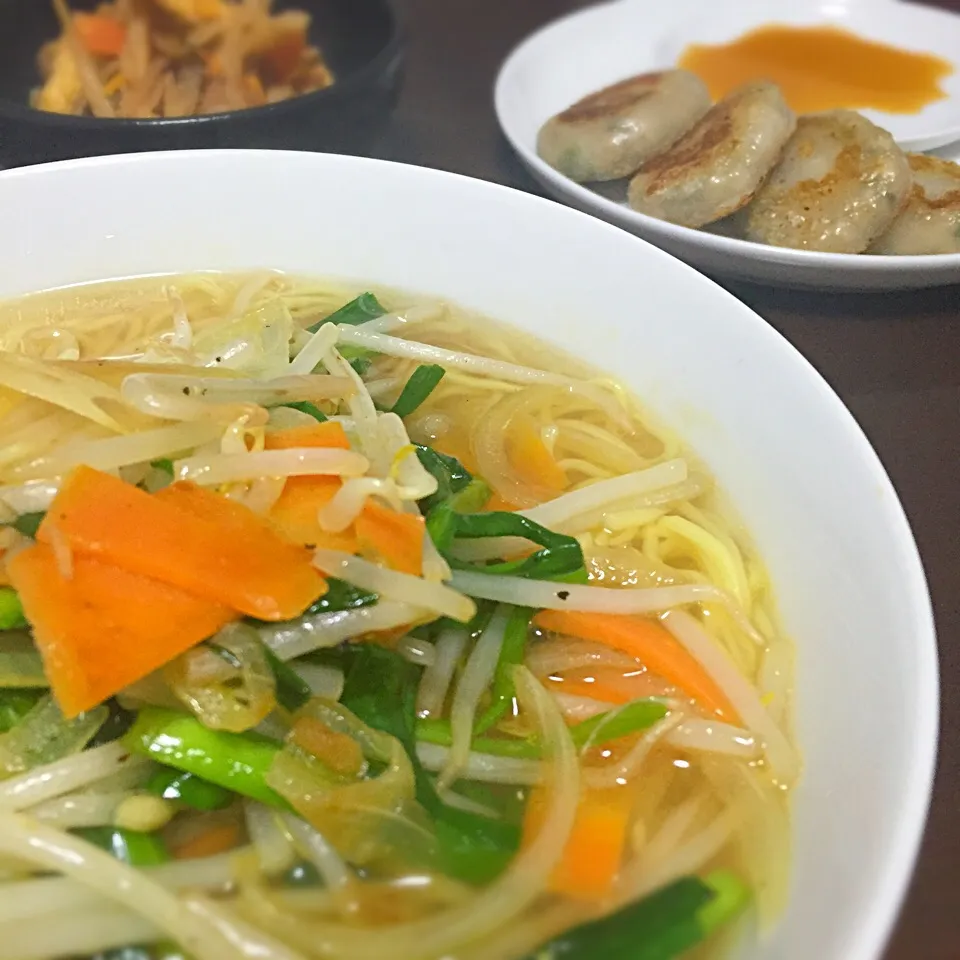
589 49
801 473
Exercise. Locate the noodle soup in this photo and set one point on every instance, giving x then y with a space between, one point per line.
348 624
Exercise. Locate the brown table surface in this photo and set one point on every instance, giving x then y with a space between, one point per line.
894 358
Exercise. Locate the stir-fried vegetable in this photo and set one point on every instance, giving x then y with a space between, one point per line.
561 557
661 926
184 536
423 381
652 644
595 848
322 434
20 664
381 689
511 655
530 458
228 682
341 595
101 35
29 523
395 539
451 476
131 846
189 789
236 761
15 705
150 622
43 735
292 691
305 406
360 310
253 605
11 610
600 729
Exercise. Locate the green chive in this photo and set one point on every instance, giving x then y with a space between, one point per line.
423 381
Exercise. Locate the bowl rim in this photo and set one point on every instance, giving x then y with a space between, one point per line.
389 55
890 883
629 218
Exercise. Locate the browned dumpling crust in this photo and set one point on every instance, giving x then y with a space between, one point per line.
715 168
840 183
609 134
930 222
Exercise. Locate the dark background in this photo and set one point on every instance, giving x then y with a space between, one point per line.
894 358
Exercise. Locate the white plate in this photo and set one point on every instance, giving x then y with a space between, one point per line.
588 50
801 473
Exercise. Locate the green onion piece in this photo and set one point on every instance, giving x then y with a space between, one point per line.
15 705
341 595
450 474
11 610
235 761
292 691
189 789
28 523
633 718
360 364
731 897
661 926
129 846
472 498
363 308
561 556
442 526
164 465
438 732
512 653
305 406
423 381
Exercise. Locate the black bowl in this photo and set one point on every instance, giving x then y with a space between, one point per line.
361 40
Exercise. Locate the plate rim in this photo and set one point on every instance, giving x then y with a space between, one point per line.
726 247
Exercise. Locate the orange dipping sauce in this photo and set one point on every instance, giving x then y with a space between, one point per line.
822 68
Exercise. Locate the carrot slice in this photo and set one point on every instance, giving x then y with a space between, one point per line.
530 457
104 628
394 538
330 433
247 533
216 839
650 643
294 515
391 537
594 850
496 502
187 537
100 35
591 691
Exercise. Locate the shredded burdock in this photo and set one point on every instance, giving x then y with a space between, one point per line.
176 58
